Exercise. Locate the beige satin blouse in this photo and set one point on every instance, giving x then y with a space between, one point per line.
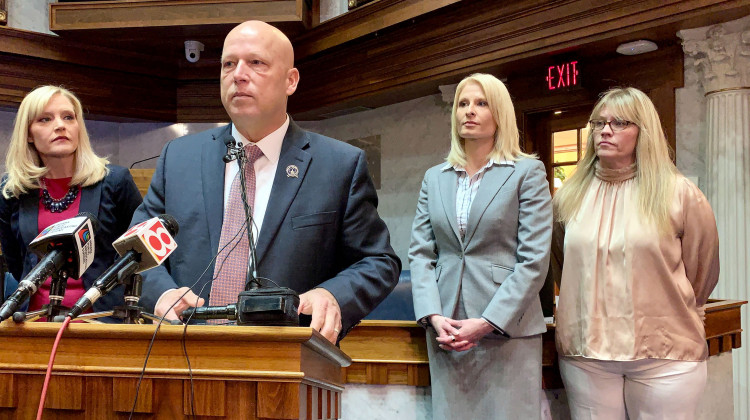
626 292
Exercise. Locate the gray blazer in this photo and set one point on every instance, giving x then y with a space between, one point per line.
500 266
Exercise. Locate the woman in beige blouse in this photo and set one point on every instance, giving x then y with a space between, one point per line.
638 248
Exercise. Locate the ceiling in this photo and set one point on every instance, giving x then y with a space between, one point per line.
386 51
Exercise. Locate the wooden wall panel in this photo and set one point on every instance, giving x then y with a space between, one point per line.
99 404
199 101
446 44
278 400
103 92
65 393
123 395
170 13
382 53
7 391
207 398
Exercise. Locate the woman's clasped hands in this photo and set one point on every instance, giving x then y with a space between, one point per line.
459 335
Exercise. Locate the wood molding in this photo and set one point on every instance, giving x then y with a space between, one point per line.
104 93
456 40
110 83
170 13
30 44
382 53
361 21
395 352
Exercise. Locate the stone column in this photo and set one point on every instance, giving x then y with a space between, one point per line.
720 55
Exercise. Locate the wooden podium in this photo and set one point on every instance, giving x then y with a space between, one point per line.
238 372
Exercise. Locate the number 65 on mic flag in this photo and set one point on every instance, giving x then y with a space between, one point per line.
151 239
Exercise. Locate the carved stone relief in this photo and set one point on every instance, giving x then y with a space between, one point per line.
720 54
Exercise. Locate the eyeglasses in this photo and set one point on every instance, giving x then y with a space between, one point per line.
615 125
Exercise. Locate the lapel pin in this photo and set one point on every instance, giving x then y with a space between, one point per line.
292 171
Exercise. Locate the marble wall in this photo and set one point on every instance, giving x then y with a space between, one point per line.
400 402
122 143
31 15
329 9
415 135
690 112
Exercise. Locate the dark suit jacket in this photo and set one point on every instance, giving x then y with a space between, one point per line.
321 228
112 200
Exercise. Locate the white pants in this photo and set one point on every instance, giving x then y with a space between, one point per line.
650 389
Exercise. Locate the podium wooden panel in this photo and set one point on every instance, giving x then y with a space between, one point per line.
238 372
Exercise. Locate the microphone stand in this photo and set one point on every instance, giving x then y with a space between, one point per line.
237 151
257 304
50 310
129 312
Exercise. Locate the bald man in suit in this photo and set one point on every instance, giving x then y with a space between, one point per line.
315 204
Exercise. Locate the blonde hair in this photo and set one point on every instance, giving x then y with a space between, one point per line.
655 171
24 166
506 146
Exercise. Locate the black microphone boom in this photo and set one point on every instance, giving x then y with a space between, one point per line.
228 312
29 285
122 268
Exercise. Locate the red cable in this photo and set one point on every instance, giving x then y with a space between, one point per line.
49 367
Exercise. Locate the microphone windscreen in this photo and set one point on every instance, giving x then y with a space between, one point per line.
151 239
94 220
170 223
229 140
74 237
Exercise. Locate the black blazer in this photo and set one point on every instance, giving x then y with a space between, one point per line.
321 227
112 200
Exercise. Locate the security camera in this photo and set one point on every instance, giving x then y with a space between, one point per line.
193 51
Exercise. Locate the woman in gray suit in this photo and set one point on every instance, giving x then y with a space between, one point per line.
479 254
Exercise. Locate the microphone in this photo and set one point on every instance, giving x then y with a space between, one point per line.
143 246
64 247
232 149
142 160
228 312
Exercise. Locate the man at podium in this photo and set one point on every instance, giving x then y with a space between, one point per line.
315 224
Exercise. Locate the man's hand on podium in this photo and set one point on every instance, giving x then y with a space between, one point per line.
325 311
183 302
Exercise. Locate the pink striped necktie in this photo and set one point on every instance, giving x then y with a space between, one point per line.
230 270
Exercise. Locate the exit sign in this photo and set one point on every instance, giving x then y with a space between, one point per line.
560 76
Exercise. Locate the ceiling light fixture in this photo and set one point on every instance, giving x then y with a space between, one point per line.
637 47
